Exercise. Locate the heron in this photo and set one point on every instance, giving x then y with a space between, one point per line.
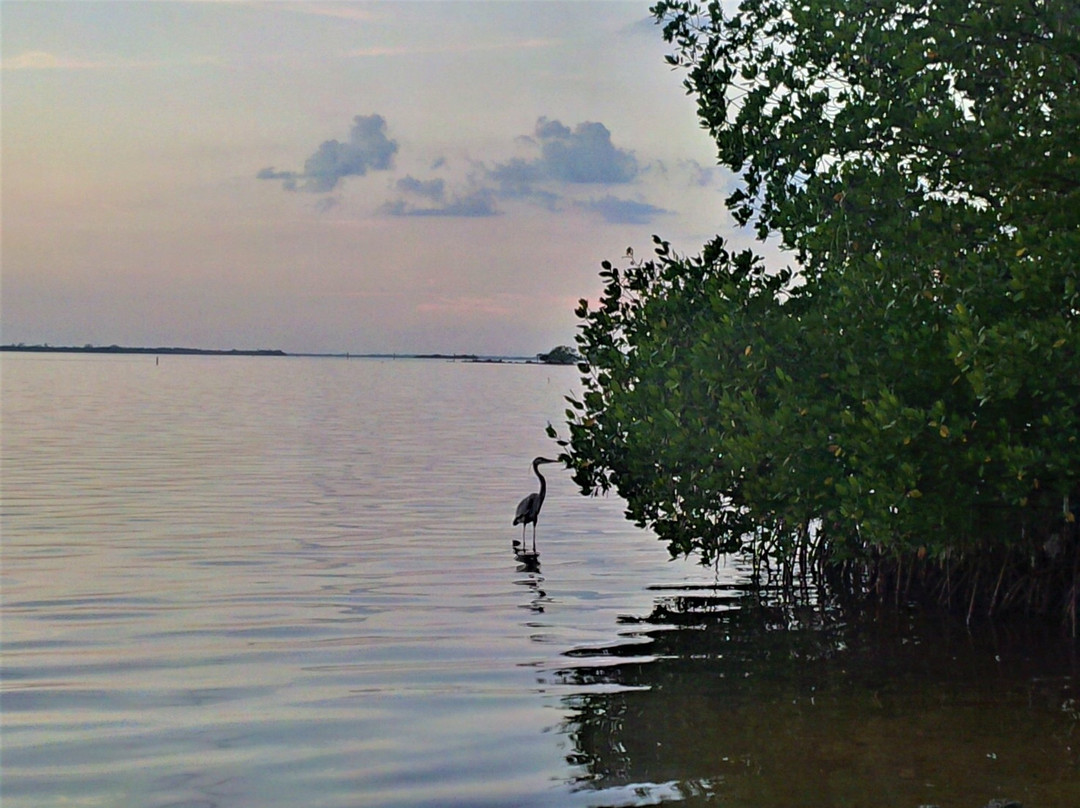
528 510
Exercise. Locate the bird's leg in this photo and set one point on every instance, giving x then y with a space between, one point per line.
534 538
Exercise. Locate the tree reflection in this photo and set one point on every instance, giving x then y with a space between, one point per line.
733 698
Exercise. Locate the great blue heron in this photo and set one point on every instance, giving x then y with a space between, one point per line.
528 510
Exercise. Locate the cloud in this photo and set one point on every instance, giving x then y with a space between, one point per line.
518 177
623 211
479 202
289 177
564 158
582 155
434 190
561 159
367 149
703 176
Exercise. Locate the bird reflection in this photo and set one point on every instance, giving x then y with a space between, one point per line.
529 563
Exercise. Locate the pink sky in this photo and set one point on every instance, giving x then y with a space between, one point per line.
388 177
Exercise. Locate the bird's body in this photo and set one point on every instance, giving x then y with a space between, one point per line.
528 510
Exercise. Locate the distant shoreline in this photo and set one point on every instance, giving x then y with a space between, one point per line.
122 349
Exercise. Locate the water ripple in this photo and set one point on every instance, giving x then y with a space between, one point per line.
253 583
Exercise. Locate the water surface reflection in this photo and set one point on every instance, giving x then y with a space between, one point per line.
726 699
253 583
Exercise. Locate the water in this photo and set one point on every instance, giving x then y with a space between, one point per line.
289 582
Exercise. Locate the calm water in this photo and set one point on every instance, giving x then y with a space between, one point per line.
289 582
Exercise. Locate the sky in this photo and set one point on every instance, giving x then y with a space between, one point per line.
400 177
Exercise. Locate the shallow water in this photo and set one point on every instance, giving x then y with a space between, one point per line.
275 582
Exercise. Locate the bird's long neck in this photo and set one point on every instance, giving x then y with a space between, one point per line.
543 482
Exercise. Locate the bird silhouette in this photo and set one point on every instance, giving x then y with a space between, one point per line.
528 510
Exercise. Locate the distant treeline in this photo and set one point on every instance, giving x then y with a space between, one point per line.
121 349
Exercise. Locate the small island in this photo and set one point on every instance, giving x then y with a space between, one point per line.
561 355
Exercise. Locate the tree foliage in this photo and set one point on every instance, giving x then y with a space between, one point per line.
912 390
